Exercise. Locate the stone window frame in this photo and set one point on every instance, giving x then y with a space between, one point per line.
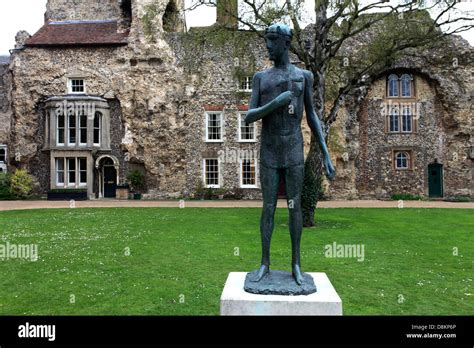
57 162
404 115
403 78
221 116
400 103
393 110
53 131
400 78
61 130
3 153
390 78
100 116
65 160
69 128
241 173
398 109
246 83
80 118
70 85
219 171
410 159
253 125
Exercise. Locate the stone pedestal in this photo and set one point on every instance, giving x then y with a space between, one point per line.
235 301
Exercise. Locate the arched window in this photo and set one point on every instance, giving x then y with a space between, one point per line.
407 119
3 155
393 86
406 85
402 160
97 128
394 119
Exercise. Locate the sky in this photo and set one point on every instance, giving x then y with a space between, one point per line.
28 15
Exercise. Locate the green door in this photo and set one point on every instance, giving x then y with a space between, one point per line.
435 179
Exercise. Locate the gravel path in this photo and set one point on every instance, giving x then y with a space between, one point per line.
26 205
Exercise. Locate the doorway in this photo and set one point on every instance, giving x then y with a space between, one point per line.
435 180
109 178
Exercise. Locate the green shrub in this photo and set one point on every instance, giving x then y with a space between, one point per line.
220 193
200 191
209 193
136 179
459 199
406 197
5 193
21 184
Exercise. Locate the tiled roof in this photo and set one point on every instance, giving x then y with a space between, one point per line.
78 33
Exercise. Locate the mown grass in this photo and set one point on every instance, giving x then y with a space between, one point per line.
180 258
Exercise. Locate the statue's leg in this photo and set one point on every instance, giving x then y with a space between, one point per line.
294 177
270 180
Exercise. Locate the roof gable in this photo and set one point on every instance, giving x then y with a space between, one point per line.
78 33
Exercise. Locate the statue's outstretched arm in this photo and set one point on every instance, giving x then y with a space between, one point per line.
257 112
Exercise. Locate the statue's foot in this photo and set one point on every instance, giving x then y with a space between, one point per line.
262 272
297 274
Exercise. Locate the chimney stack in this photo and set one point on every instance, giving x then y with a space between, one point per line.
227 12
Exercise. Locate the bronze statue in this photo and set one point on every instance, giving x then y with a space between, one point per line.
280 95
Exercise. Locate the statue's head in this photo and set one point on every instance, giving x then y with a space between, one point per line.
278 39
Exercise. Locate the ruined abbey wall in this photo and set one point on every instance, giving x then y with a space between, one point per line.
161 84
67 10
5 109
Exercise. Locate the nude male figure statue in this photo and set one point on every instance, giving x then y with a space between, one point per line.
279 97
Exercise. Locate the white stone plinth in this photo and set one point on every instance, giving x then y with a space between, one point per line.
235 301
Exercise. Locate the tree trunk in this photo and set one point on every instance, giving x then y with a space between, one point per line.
314 161
312 184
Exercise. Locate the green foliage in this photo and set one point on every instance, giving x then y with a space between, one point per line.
334 141
21 184
406 197
136 178
209 193
148 20
459 199
214 193
231 43
5 193
200 192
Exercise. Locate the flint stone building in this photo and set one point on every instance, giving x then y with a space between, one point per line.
106 87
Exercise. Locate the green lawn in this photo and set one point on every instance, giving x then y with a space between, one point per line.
180 258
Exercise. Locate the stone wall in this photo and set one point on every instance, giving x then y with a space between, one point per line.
5 109
376 175
215 59
63 10
149 113
362 149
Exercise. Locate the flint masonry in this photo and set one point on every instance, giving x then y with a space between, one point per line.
143 93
